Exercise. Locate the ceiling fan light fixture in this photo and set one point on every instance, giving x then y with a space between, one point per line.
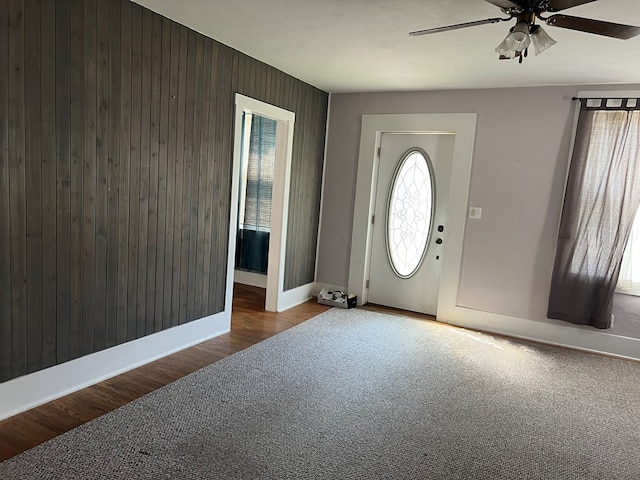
504 51
525 32
518 38
540 39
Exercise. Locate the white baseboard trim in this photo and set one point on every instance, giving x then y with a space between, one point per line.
296 296
250 278
29 391
552 332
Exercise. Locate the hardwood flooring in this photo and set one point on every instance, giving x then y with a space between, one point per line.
250 324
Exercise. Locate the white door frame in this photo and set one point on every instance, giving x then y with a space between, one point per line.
463 126
279 202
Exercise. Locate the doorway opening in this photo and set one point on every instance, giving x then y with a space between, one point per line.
262 153
257 162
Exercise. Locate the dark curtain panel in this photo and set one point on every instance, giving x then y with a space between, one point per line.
601 199
252 251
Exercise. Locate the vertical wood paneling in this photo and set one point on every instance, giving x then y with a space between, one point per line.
225 64
264 81
171 175
51 354
293 247
201 207
241 89
102 168
179 177
163 180
216 166
145 160
229 86
123 318
134 175
192 288
17 195
89 186
256 77
275 85
210 192
116 140
254 80
187 180
219 161
33 184
63 172
70 335
5 236
268 83
306 179
113 174
154 140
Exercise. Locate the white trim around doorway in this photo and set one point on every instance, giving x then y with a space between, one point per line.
280 197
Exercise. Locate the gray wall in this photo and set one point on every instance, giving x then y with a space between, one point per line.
519 166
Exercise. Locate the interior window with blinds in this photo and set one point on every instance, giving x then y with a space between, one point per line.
256 186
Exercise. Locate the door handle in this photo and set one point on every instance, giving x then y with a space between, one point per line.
438 241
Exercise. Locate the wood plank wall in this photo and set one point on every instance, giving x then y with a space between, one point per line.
116 139
262 82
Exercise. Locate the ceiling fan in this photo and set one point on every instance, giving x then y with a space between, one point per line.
526 31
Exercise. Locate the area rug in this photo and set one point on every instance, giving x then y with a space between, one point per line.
353 394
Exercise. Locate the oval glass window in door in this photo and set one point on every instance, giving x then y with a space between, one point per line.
410 212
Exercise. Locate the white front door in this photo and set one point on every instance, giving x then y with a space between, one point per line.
414 173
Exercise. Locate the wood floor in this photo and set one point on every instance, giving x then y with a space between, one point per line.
250 324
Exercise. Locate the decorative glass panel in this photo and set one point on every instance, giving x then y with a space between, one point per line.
409 213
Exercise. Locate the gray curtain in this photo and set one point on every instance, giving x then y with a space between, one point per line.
601 199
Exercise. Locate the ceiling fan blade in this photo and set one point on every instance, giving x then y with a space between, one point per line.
457 26
597 27
557 5
503 3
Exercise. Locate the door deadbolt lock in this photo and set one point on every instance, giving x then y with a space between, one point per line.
438 241
441 228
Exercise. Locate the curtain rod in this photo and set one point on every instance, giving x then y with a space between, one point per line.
629 104
604 98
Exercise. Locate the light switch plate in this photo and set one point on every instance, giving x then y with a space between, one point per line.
475 212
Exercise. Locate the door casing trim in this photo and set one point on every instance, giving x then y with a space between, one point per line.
279 202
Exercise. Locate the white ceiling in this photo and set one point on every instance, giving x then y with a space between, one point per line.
363 45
